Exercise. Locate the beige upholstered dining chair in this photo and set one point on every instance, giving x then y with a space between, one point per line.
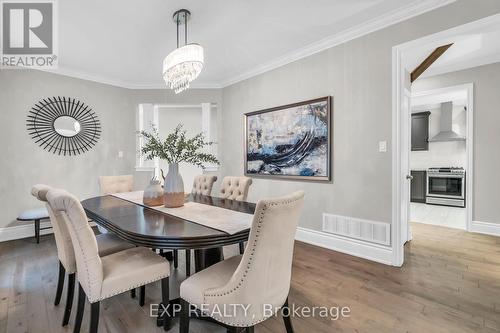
259 278
203 184
101 277
116 184
119 184
235 188
107 244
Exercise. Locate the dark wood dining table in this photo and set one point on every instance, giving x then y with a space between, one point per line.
144 226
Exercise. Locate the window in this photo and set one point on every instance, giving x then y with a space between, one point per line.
196 117
147 116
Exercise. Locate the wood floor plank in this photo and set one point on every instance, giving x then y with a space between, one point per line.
450 283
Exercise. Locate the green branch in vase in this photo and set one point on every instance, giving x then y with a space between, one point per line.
177 148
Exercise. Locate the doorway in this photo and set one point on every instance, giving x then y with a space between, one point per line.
472 38
439 157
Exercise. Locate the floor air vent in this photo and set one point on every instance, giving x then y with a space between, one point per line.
365 230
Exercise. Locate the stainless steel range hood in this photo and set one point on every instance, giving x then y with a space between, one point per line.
446 132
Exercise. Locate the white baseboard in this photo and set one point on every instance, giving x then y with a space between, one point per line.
26 231
374 252
23 231
485 228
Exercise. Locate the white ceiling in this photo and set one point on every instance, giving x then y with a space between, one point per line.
123 42
477 47
423 101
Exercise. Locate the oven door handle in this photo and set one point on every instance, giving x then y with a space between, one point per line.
444 176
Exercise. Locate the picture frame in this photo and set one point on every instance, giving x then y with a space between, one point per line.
292 141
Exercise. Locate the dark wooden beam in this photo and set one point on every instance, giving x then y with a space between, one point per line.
438 52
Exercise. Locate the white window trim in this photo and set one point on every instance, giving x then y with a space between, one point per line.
205 109
142 164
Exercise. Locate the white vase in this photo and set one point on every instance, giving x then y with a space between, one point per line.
153 194
173 188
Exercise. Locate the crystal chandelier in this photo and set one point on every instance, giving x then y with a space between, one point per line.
185 63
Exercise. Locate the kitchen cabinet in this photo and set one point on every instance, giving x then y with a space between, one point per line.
418 186
420 131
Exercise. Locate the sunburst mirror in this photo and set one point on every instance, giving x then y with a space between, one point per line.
63 125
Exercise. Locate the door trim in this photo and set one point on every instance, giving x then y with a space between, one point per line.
400 169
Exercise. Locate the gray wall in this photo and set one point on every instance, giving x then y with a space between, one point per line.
24 163
358 76
486 81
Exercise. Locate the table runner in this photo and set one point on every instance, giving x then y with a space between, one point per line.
222 219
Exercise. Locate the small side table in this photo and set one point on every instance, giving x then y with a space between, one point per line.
35 215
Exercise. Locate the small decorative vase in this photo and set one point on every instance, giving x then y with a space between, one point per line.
174 187
153 194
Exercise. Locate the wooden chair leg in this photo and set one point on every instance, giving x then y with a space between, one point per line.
132 293
188 262
80 309
142 295
94 317
60 284
37 231
165 298
184 320
287 319
176 258
69 299
242 247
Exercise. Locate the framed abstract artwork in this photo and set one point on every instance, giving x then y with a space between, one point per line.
290 141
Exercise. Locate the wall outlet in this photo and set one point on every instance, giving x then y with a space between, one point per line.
382 146
120 154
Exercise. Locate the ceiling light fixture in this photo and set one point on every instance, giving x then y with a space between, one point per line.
184 64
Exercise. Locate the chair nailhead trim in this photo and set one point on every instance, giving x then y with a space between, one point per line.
125 290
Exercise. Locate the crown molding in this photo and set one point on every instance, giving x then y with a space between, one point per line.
65 71
393 17
390 18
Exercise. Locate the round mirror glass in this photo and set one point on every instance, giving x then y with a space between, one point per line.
67 126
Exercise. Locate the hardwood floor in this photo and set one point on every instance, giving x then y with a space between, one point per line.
449 283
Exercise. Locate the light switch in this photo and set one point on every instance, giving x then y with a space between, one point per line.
382 146
120 154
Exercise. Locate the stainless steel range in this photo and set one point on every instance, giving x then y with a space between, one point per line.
446 186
